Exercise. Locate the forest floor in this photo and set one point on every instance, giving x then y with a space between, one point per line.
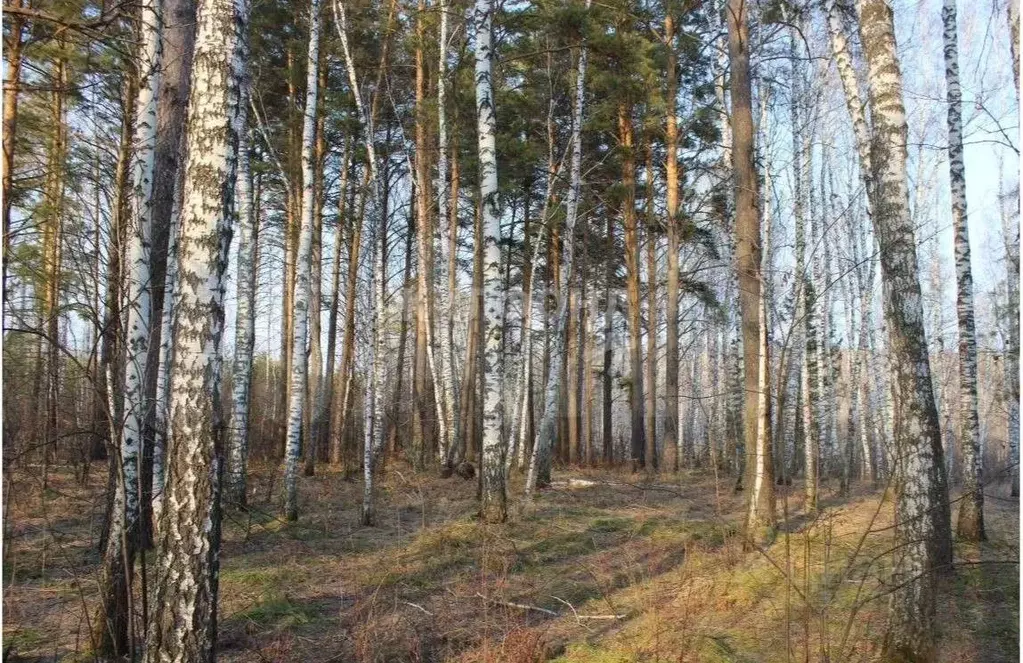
603 568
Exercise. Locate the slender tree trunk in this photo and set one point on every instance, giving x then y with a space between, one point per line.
571 369
423 420
671 183
310 424
339 444
245 321
494 507
108 407
970 525
327 393
398 400
805 293
540 462
300 328
448 228
589 322
760 521
651 323
123 540
13 48
53 239
607 433
464 447
1010 239
290 231
923 522
373 415
370 185
637 448
184 625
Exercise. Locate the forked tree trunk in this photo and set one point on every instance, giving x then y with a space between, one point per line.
124 537
541 460
374 382
183 627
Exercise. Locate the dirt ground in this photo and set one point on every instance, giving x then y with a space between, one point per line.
604 567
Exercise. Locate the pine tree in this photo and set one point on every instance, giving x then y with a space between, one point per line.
760 521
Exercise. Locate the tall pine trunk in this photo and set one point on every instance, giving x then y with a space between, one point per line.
637 446
760 519
671 433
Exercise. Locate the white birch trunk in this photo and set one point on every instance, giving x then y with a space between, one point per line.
445 376
1010 239
138 290
853 103
163 391
245 322
494 508
923 522
183 627
970 525
300 315
374 416
543 448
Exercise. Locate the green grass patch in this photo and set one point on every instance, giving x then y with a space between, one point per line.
278 611
23 640
587 653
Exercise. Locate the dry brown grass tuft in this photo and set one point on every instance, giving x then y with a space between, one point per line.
603 568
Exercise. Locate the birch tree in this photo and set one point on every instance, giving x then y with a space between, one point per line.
374 416
923 523
1010 241
300 327
970 525
448 228
540 462
183 624
124 534
245 321
494 508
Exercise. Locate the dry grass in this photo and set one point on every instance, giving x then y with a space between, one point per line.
611 567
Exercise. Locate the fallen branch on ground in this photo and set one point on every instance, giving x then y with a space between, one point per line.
552 613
